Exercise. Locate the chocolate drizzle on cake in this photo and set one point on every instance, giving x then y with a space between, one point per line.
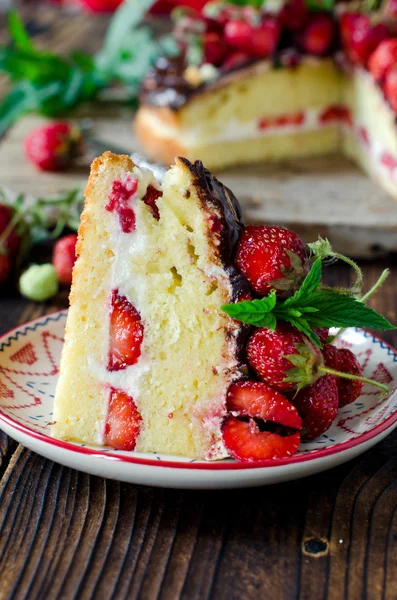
166 84
219 199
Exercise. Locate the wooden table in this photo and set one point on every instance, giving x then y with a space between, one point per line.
67 535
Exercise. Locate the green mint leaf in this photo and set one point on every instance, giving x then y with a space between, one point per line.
254 312
339 310
309 285
125 19
18 33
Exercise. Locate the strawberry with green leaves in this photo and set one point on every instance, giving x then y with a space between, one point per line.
272 258
317 404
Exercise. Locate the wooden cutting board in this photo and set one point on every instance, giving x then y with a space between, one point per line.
327 196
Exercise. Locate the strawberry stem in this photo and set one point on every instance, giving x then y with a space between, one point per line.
359 276
353 377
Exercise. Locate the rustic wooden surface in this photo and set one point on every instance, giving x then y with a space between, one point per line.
65 535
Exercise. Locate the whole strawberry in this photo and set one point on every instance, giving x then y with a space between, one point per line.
5 266
53 147
342 359
317 405
63 258
271 258
100 6
383 59
284 358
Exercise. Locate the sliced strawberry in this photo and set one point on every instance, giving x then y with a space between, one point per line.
150 200
246 442
388 161
336 113
256 399
317 404
123 421
126 333
120 199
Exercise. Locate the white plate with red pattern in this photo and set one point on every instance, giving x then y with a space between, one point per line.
29 360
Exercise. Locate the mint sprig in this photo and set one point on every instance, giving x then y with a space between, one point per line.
308 309
51 85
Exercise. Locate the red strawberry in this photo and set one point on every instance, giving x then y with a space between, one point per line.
100 6
269 353
246 442
126 333
235 60
360 37
335 113
264 38
123 421
294 14
5 266
317 36
317 404
383 59
53 147
345 361
259 400
238 35
63 258
215 49
390 88
150 200
322 333
271 258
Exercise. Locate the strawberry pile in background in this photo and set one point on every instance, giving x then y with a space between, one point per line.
297 380
229 36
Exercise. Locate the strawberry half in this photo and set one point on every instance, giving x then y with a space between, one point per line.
271 258
257 399
123 421
342 359
246 442
317 404
253 405
126 333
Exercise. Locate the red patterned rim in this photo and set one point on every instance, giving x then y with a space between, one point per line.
215 466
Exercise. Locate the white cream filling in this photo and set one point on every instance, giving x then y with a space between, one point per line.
124 246
235 130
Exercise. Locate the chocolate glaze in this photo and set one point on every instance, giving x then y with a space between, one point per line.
165 85
216 197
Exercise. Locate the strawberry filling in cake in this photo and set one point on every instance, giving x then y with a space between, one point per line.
191 334
280 81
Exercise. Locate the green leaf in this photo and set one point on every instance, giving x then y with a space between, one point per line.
339 310
126 18
18 33
254 312
309 285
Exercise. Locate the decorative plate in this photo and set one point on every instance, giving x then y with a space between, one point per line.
29 360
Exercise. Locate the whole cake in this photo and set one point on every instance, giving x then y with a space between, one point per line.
289 79
190 334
